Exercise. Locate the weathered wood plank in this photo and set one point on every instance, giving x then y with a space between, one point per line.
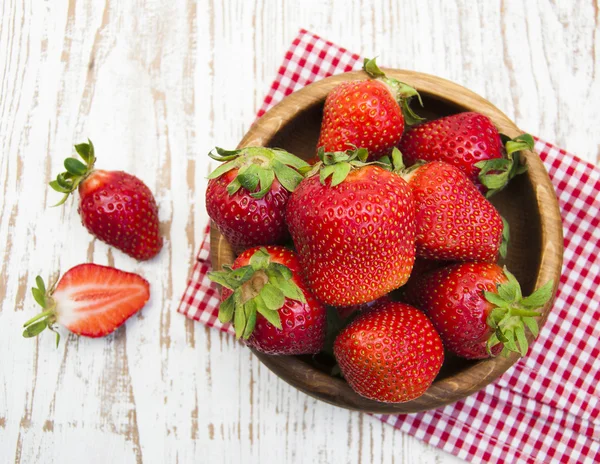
156 85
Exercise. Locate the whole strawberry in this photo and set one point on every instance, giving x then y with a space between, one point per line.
89 300
114 206
370 113
353 227
471 142
478 308
454 220
271 307
390 354
247 195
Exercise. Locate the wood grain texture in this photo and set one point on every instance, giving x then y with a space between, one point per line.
155 85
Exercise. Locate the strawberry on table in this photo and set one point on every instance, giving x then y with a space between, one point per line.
478 308
353 227
269 304
247 195
89 300
114 206
370 113
471 142
454 220
391 353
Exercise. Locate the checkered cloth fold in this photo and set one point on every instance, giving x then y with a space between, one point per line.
547 407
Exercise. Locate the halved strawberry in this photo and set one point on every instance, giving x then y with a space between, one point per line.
89 300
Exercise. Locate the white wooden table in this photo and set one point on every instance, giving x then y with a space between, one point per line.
155 85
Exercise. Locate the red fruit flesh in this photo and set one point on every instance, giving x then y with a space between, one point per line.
454 221
246 221
119 209
303 324
364 114
355 241
390 354
453 299
461 140
93 300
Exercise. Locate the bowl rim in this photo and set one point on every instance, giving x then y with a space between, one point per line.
473 378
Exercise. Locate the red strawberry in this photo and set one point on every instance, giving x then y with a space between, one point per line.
471 142
247 194
114 206
454 221
367 113
478 308
353 228
89 300
390 354
271 307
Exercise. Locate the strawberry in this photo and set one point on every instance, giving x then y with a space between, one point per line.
454 221
89 300
247 194
114 206
390 354
353 228
271 307
471 142
369 113
478 308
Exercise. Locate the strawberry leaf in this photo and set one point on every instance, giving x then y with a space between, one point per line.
225 167
286 176
250 310
272 296
260 259
75 167
226 309
35 329
39 297
266 178
289 159
540 297
239 320
271 316
233 186
86 151
532 325
340 172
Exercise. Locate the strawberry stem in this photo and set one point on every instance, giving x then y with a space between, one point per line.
403 93
41 315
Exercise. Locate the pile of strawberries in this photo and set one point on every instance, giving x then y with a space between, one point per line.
322 245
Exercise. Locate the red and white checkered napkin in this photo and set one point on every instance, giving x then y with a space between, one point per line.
547 407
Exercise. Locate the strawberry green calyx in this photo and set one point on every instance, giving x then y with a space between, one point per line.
496 173
512 313
76 171
403 92
260 287
47 318
258 166
338 164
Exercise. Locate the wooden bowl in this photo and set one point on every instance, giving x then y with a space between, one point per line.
529 203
